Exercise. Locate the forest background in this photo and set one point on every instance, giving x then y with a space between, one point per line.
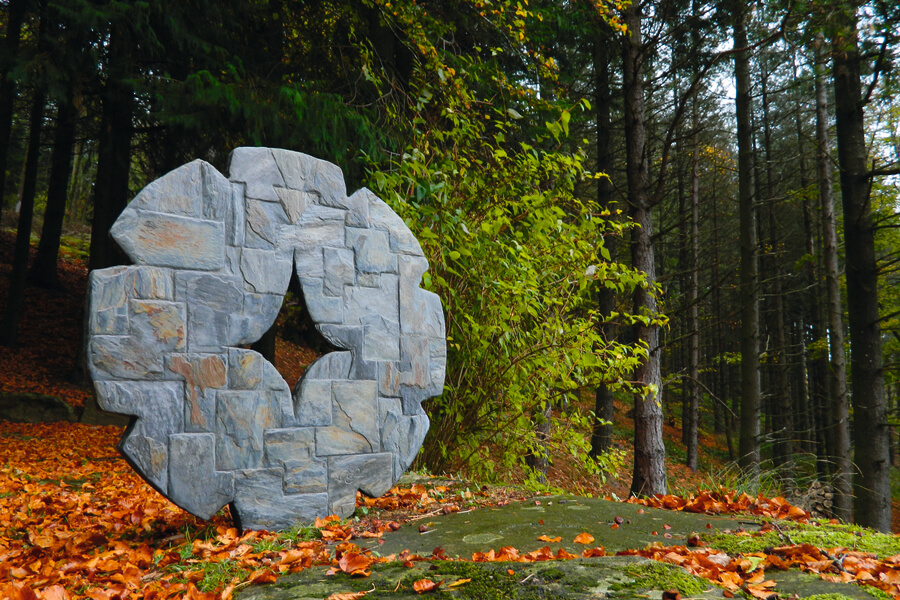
637 201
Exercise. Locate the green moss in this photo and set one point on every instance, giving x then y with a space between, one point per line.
488 581
661 576
881 594
827 597
552 574
822 536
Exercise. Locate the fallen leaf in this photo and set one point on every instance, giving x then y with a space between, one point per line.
550 540
459 582
423 586
584 538
671 595
563 554
263 576
356 564
54 592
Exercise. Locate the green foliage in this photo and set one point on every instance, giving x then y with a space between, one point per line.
214 575
513 254
300 533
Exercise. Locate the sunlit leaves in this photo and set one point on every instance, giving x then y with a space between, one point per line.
510 246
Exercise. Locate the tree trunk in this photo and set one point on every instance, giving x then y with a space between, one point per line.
114 153
601 434
781 408
43 271
691 426
15 16
840 407
649 475
16 297
538 459
871 434
749 272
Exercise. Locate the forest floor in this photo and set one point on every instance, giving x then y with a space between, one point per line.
77 521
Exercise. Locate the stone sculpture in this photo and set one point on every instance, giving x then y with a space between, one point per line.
215 423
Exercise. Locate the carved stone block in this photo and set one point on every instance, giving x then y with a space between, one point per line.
215 422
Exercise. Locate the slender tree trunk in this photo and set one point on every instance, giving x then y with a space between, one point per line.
16 298
781 408
749 273
114 153
43 271
691 427
538 459
601 435
649 475
840 407
15 16
870 428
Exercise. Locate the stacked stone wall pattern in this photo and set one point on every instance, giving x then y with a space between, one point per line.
215 422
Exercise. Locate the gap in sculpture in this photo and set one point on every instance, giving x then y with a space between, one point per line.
214 423
294 341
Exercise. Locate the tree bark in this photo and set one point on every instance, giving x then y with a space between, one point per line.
649 475
781 408
114 153
15 300
691 426
840 407
871 433
44 270
601 434
15 17
749 271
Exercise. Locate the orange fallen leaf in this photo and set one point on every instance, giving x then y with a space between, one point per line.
548 539
426 585
263 576
354 563
584 538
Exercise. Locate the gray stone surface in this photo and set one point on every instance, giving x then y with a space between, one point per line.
157 406
370 474
260 503
194 484
170 241
215 423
